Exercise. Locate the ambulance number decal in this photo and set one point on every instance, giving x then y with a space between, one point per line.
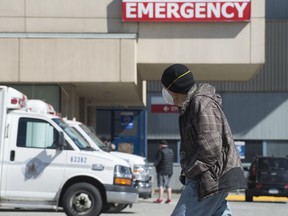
78 159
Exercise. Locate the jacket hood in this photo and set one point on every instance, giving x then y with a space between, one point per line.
201 89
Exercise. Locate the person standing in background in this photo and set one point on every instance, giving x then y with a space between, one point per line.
164 170
108 143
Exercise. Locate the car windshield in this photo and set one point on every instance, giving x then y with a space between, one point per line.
273 164
96 140
81 143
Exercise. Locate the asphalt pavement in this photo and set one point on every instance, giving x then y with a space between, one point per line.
263 206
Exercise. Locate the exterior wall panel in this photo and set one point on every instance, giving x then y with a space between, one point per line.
256 109
195 43
73 60
9 55
12 8
276 9
237 43
71 8
161 125
252 116
258 116
274 74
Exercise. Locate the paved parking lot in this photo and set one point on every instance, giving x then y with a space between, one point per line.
264 206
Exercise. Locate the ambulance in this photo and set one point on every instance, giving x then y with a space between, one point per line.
139 165
44 164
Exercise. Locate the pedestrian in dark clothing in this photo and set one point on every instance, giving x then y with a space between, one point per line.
164 170
210 163
110 146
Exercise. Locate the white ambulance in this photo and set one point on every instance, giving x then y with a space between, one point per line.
139 165
45 164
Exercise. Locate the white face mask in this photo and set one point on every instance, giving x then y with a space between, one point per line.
167 97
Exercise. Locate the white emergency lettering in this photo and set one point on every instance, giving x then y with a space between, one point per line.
172 11
186 10
241 8
194 10
160 10
142 10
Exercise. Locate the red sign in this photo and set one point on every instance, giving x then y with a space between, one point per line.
186 10
164 108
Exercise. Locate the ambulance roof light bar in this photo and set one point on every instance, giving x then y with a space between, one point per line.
40 106
15 99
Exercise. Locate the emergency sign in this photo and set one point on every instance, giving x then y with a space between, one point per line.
186 10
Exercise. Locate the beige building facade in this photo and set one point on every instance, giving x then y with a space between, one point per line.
97 59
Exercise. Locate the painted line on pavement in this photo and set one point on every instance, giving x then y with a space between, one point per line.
241 197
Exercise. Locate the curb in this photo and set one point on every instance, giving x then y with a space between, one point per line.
241 197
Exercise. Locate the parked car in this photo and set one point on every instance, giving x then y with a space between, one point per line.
268 176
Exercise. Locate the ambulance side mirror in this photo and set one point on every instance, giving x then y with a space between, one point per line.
61 140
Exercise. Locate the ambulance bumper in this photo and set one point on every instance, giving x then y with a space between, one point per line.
121 194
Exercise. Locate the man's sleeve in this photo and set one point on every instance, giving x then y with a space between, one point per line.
158 158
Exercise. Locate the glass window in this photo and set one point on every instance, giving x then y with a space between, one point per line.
35 133
42 92
273 164
81 143
98 142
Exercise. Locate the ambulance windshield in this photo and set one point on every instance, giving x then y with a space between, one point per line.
98 142
81 143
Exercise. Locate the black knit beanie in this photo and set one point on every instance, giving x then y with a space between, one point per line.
177 78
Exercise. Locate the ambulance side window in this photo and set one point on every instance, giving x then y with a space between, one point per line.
36 133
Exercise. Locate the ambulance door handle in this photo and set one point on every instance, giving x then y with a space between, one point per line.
12 155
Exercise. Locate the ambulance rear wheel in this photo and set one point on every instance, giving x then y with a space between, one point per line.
82 199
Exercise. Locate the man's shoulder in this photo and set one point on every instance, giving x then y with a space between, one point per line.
202 101
167 150
170 149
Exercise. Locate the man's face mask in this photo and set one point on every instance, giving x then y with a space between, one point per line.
167 97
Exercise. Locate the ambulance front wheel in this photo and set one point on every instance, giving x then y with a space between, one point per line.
82 199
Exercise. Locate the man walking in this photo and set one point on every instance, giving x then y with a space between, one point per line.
210 163
164 170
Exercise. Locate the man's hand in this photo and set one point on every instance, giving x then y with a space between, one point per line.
182 178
